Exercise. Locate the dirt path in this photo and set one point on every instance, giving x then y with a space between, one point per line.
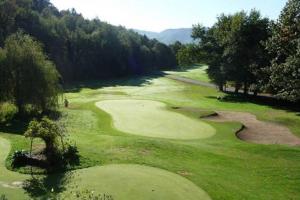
258 131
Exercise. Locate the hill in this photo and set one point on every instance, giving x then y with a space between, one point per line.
170 36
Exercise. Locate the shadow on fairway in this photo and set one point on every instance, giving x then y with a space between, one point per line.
260 100
47 187
125 81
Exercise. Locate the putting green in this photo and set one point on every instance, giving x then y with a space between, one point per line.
136 182
152 119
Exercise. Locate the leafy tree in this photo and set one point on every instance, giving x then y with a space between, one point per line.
234 49
176 47
284 47
48 131
7 18
187 55
28 77
211 53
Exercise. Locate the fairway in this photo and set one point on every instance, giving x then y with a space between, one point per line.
135 182
152 119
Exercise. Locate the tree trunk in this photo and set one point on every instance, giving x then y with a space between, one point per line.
237 87
221 87
245 88
255 93
31 142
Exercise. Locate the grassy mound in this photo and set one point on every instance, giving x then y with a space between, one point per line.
151 119
136 182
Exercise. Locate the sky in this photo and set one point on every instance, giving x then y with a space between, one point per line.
158 15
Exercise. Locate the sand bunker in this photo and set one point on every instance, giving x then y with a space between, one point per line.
152 119
258 131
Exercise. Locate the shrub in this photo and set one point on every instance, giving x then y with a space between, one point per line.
71 155
7 112
20 158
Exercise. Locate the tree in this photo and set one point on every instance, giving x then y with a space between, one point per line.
211 52
29 78
187 55
233 48
7 18
49 132
284 47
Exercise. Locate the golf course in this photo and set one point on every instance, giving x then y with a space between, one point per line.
154 137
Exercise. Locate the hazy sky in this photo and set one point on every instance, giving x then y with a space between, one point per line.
157 15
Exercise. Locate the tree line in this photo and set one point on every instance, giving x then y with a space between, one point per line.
83 49
253 53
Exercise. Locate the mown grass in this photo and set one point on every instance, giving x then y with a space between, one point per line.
223 166
197 72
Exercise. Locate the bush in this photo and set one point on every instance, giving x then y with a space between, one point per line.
71 155
20 158
7 112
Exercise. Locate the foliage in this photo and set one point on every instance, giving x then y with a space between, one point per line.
187 55
19 158
71 155
7 112
84 49
234 49
58 154
29 78
284 46
49 132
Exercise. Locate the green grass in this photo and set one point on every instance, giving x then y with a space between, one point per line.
152 119
223 166
136 182
197 72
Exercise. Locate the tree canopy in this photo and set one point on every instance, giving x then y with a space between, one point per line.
28 78
284 46
83 49
233 48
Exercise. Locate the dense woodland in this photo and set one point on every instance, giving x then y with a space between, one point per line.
83 49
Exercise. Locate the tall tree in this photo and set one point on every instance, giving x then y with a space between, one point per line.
233 48
284 47
30 78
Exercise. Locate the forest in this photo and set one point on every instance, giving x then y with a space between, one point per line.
83 49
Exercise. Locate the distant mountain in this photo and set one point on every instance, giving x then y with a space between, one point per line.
170 36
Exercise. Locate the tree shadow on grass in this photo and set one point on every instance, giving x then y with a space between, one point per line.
125 81
17 127
260 100
47 187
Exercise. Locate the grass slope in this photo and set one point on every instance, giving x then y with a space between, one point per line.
197 72
152 119
136 182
